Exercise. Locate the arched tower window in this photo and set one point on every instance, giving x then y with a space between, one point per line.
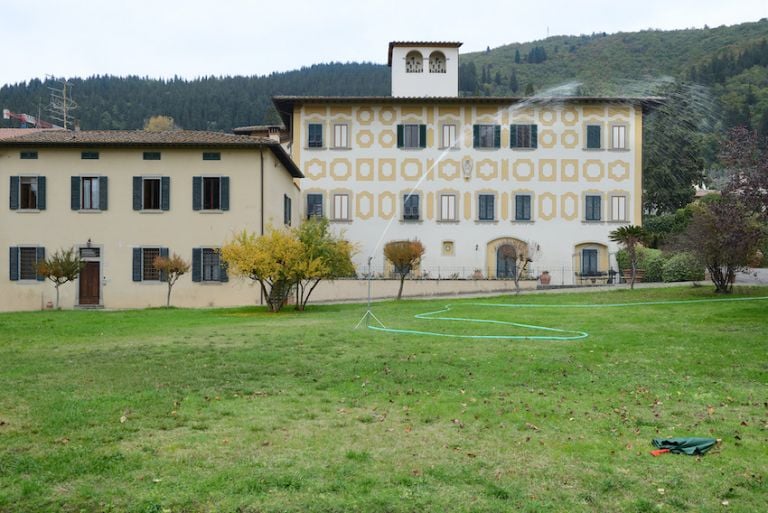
414 63
437 62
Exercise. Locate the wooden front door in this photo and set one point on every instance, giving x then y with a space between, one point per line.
90 278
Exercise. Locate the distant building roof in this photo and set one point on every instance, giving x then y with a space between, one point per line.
438 44
141 138
242 130
10 133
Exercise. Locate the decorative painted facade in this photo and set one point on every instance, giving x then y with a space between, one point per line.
467 175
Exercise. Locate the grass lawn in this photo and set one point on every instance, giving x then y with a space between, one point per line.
241 410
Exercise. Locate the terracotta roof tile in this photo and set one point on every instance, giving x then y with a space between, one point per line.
138 138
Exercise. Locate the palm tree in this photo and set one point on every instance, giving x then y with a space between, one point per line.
629 237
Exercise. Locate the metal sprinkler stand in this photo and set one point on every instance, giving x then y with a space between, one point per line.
368 315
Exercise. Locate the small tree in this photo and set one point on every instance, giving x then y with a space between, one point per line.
323 256
746 157
725 235
61 267
523 252
271 259
630 237
159 124
403 255
171 269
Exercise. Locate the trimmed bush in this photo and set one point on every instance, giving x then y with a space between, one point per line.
682 267
648 259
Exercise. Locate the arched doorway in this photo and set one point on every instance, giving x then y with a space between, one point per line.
506 261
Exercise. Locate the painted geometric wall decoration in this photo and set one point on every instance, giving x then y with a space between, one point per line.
387 138
410 169
364 115
593 170
547 170
411 110
467 206
387 205
569 170
569 206
341 169
569 116
547 116
618 111
547 138
364 138
338 110
430 205
488 169
387 170
449 169
315 110
364 205
569 138
504 206
618 170
387 115
364 170
547 206
593 111
523 170
314 169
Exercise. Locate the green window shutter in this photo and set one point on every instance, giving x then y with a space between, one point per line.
197 264
14 198
534 136
103 192
75 188
422 136
513 136
400 136
475 136
593 136
41 193
224 193
13 259
136 264
165 193
223 276
497 136
164 254
137 192
197 193
40 257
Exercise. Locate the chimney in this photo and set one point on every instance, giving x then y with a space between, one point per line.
274 133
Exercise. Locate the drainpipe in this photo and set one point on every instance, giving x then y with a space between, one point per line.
261 220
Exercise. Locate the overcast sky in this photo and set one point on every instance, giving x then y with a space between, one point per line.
192 38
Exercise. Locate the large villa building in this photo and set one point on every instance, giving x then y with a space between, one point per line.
473 178
469 176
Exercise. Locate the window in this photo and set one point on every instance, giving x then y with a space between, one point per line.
210 193
619 137
411 207
448 135
89 193
589 262
592 210
211 155
151 193
618 208
414 63
522 207
341 136
151 155
437 62
486 136
485 207
207 266
89 155
411 136
593 137
315 135
341 207
148 270
286 210
523 136
27 193
314 205
24 261
28 155
448 207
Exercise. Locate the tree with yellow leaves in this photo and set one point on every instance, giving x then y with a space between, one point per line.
404 256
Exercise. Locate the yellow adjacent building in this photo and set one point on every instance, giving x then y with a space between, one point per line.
121 198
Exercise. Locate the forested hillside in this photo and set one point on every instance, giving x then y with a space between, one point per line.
731 61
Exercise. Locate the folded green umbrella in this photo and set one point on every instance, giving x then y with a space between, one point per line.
690 446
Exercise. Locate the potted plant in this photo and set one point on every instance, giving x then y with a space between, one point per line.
545 278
